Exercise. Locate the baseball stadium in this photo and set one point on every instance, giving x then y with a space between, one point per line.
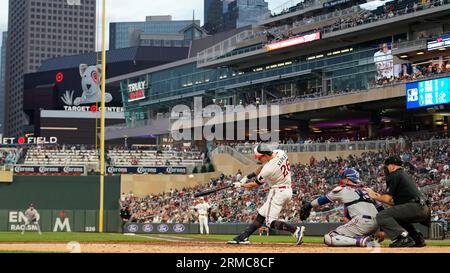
322 127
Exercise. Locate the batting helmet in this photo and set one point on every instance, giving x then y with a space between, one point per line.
351 174
261 150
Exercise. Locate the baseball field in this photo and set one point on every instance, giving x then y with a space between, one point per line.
131 243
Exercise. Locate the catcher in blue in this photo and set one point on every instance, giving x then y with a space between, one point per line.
360 212
276 172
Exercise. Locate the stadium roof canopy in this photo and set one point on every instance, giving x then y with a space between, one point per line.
143 53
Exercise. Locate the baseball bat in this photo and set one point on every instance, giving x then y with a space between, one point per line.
210 191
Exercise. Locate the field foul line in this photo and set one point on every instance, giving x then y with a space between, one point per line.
176 237
158 238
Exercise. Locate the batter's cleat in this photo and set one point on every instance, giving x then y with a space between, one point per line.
402 241
298 234
236 241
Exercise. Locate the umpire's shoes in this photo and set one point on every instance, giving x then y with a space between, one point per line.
402 241
298 234
418 240
237 241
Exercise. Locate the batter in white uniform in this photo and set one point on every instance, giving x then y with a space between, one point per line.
202 209
360 212
276 173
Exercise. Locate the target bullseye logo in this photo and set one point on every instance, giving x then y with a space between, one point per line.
21 140
59 77
94 109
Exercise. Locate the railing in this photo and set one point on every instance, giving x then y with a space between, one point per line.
225 46
408 44
431 142
333 146
234 153
438 230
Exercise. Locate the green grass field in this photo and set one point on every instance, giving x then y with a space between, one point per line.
61 237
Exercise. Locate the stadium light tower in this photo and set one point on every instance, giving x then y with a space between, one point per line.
102 119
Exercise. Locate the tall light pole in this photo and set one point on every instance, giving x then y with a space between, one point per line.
102 119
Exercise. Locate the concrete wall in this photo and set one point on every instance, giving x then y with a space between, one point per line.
6 176
229 165
142 185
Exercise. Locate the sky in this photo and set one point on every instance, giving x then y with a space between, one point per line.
137 10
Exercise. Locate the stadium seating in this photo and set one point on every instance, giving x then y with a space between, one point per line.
60 156
9 156
154 158
427 163
115 157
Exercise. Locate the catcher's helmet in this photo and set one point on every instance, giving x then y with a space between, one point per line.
351 174
261 150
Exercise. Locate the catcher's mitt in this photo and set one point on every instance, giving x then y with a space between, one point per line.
305 211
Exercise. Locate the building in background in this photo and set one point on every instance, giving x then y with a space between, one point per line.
242 13
156 31
39 30
2 81
213 15
61 102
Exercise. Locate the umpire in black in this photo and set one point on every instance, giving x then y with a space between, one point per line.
408 206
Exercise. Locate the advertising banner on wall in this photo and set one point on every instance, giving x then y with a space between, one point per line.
42 170
146 170
160 228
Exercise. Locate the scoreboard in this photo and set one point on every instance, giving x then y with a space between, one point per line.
428 93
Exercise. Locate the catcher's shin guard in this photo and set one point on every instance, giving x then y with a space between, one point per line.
336 239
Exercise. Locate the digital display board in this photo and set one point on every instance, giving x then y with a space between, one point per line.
428 93
294 41
439 43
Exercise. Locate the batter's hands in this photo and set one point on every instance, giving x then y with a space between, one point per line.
251 185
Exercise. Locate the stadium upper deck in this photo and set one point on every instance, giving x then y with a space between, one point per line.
351 49
283 38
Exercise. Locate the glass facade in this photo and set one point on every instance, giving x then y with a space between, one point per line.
326 72
121 34
242 13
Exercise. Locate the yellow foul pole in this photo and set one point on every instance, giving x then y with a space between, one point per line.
102 120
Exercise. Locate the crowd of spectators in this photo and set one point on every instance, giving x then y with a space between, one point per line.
9 156
117 155
359 17
416 72
429 167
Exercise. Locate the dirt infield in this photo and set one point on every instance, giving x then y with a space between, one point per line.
202 247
